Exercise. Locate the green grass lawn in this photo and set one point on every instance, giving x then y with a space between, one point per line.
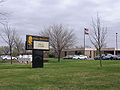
67 75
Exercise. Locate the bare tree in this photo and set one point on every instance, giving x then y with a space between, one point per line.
98 36
0 51
8 36
60 38
19 45
5 50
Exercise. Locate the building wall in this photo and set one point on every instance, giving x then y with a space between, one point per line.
88 53
65 53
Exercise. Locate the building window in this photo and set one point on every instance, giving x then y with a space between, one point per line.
94 53
76 53
90 54
65 53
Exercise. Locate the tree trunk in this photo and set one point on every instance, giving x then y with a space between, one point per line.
11 54
18 52
59 54
100 62
100 58
11 58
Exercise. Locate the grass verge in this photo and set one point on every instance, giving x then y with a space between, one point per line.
67 75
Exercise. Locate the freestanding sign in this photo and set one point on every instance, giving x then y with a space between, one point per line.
37 44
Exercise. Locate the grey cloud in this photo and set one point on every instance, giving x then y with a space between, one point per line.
30 16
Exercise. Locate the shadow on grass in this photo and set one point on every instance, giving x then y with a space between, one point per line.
15 66
8 61
46 61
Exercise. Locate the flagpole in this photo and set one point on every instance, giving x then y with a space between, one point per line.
85 33
84 41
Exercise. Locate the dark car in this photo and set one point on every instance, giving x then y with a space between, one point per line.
118 57
98 57
115 57
68 57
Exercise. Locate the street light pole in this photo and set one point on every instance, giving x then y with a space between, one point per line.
116 43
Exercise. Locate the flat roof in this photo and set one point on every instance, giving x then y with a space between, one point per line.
91 49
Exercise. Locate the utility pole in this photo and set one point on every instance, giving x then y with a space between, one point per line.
116 43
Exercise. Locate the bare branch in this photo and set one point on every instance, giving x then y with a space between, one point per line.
8 36
5 50
19 45
60 38
98 36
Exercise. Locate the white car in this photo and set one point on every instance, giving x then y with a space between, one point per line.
25 56
82 57
76 57
8 57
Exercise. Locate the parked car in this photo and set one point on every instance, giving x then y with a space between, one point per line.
24 58
7 57
118 57
82 57
68 57
115 57
76 57
98 57
109 57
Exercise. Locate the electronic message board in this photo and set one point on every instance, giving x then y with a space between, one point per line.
37 42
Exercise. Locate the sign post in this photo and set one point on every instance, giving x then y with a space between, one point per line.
37 44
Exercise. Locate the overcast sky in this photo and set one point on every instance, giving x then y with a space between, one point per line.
30 16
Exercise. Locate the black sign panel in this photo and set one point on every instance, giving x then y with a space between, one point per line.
37 61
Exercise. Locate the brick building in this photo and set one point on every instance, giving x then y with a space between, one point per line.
89 52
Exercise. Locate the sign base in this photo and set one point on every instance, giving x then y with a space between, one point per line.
37 60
